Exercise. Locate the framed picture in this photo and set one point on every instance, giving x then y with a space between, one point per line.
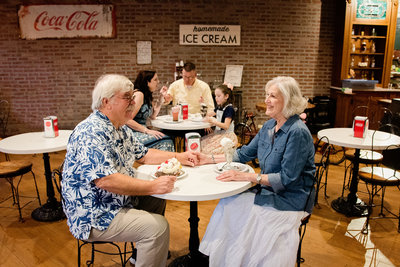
143 52
233 75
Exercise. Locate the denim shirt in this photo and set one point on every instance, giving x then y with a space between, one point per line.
287 156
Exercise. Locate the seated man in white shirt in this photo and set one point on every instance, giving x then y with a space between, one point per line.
190 90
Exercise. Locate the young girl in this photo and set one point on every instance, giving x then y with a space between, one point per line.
223 122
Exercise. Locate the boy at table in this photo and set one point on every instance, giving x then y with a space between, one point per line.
101 198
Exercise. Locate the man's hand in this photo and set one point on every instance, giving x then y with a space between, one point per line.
164 184
188 158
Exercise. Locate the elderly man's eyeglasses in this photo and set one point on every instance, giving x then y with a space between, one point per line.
128 98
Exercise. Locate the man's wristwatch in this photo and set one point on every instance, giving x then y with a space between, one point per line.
258 179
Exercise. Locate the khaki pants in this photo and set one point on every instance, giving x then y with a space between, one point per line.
150 231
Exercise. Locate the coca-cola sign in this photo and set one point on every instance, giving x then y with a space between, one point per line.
66 21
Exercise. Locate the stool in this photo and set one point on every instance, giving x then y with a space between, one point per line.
124 259
9 170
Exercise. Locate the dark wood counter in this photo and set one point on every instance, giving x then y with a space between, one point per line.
346 103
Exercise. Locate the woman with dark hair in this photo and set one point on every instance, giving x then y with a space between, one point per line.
145 84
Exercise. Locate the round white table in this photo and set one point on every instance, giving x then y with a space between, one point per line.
199 184
374 140
165 122
34 143
177 130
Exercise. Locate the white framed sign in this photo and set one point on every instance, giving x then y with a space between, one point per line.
143 52
66 21
219 35
233 75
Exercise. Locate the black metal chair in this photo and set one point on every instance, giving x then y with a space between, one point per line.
313 196
4 114
381 177
367 157
322 116
10 171
123 254
322 166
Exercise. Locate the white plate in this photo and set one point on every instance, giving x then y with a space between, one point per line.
237 166
196 119
169 120
178 177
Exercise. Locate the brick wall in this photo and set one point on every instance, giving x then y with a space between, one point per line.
56 76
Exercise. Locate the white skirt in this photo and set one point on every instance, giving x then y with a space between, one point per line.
241 233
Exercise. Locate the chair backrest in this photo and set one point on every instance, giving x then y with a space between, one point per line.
321 167
361 111
322 116
4 114
391 154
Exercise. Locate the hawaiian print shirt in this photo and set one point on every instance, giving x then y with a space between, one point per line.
96 149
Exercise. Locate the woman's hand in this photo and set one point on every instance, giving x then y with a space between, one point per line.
232 176
164 184
155 133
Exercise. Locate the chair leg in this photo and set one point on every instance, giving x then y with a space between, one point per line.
37 190
15 194
79 253
346 169
326 182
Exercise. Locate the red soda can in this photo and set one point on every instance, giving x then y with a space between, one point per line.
185 111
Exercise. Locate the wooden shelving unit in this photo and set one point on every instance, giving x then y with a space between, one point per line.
366 42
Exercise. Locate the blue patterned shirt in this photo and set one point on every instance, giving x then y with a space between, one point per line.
287 156
96 149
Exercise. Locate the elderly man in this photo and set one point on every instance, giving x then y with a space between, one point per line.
101 198
190 90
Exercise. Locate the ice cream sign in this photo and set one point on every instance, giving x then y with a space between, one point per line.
194 34
66 21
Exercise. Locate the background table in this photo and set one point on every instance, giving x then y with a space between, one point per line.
352 206
163 122
178 129
34 143
199 185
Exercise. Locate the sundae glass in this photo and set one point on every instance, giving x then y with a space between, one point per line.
229 148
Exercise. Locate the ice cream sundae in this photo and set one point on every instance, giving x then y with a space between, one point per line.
169 167
229 148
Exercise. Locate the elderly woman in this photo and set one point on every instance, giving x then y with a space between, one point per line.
146 84
260 227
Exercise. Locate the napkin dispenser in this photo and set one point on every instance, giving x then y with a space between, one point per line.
360 126
192 141
50 126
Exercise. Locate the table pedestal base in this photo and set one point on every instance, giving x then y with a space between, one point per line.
49 212
190 260
349 208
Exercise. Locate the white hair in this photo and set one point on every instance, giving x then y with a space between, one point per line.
107 85
294 102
